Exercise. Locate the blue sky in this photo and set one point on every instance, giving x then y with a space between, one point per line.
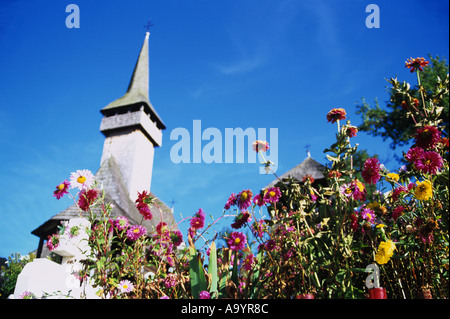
249 64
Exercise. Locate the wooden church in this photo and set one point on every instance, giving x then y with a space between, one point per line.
132 130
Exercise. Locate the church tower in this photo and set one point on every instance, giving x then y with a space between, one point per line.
133 129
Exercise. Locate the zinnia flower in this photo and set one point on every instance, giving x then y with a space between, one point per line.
385 252
134 232
371 171
423 190
430 162
427 136
198 221
237 241
61 189
260 146
82 179
336 114
244 199
417 63
272 195
350 130
87 198
125 286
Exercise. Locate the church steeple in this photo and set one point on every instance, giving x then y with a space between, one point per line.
132 129
138 88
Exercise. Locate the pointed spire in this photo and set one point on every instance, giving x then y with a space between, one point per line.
137 92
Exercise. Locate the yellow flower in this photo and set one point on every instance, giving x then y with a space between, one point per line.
392 177
385 252
423 190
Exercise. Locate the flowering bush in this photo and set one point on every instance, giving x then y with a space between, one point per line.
316 239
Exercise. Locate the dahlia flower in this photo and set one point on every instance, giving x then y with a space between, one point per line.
423 190
371 171
385 252
427 136
198 221
430 162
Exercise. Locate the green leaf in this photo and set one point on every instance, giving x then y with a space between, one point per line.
212 269
196 273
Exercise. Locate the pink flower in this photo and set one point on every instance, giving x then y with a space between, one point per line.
258 200
249 261
398 191
258 228
61 189
134 232
53 242
237 241
371 171
125 286
121 222
204 295
368 215
231 201
270 244
430 162
198 221
272 195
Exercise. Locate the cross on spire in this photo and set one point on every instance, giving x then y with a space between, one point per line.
148 25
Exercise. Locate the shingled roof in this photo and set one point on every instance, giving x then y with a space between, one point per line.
308 167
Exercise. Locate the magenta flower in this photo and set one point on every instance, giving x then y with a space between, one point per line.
198 221
427 137
231 201
204 295
397 212
142 205
134 232
121 222
249 261
258 200
414 154
371 171
61 189
368 215
244 199
237 241
272 195
53 242
430 162
177 237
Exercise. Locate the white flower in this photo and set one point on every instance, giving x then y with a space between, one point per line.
82 179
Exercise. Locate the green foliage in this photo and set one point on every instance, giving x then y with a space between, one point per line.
10 272
391 122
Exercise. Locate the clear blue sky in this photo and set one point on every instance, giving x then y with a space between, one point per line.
255 63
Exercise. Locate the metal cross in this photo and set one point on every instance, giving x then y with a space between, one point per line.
148 25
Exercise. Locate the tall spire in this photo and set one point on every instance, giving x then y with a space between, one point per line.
137 92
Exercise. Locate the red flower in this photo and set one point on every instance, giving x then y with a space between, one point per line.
371 171
350 130
336 114
142 205
427 137
241 219
87 198
414 154
417 63
198 221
